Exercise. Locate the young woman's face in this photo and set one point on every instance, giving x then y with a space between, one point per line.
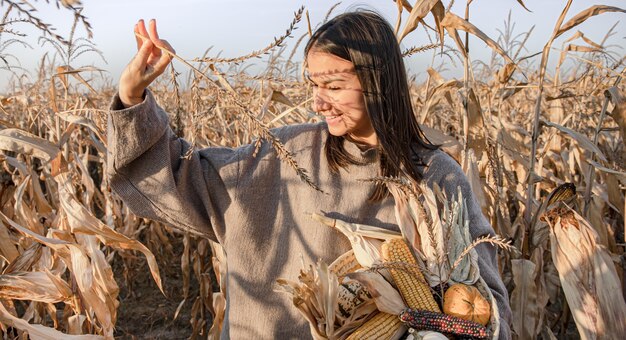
337 95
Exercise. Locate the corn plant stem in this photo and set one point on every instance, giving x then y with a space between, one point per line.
536 131
591 172
466 84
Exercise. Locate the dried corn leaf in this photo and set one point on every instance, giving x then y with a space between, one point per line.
419 11
25 143
366 240
83 121
82 221
453 21
582 140
40 332
587 274
386 298
439 12
62 71
584 15
619 110
315 296
81 271
7 248
575 48
524 298
476 126
465 263
34 286
522 3
581 35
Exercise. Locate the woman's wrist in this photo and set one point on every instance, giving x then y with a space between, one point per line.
129 101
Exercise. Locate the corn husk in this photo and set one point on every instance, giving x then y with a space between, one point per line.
316 296
365 240
587 274
386 298
439 241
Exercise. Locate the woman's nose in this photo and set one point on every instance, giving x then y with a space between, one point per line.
320 103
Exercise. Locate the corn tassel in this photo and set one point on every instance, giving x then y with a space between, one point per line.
409 280
381 326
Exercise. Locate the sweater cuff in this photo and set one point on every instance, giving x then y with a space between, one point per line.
117 105
133 130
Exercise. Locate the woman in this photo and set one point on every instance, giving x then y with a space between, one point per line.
256 206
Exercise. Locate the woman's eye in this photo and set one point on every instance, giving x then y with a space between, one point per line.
333 88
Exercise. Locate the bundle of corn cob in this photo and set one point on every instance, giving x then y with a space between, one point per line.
395 273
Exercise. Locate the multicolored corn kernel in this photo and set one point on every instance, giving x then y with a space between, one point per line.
443 323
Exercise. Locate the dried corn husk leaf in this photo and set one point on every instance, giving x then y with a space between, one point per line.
587 274
62 71
524 298
522 3
619 110
581 35
22 142
454 22
316 297
582 140
584 15
7 248
82 221
366 240
39 332
476 127
386 298
466 271
81 271
34 286
420 225
84 121
419 11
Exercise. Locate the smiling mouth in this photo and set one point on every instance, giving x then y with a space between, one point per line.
332 118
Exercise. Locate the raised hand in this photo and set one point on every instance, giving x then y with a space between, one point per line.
149 62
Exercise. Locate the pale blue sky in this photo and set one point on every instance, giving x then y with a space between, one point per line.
237 27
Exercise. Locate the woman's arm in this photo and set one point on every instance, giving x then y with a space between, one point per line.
145 159
444 171
148 171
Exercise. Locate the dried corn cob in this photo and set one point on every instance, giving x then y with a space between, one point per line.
350 295
381 326
443 323
409 280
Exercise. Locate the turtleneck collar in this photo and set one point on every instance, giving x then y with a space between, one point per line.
361 152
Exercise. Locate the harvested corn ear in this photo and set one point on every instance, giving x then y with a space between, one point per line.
381 326
443 323
409 279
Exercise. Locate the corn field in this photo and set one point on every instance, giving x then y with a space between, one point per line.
543 145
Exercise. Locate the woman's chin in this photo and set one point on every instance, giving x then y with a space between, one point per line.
337 132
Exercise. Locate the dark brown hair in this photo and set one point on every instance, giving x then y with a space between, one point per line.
367 40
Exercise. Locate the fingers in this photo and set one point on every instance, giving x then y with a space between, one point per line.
141 30
165 59
143 55
137 37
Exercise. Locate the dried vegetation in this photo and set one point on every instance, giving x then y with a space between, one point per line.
543 148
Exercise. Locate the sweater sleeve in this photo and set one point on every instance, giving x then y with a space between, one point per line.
444 171
147 170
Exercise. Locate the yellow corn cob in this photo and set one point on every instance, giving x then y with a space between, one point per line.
409 280
381 326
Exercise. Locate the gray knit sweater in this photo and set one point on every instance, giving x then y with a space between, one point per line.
259 209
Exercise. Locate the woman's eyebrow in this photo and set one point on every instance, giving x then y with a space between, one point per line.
336 73
325 78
